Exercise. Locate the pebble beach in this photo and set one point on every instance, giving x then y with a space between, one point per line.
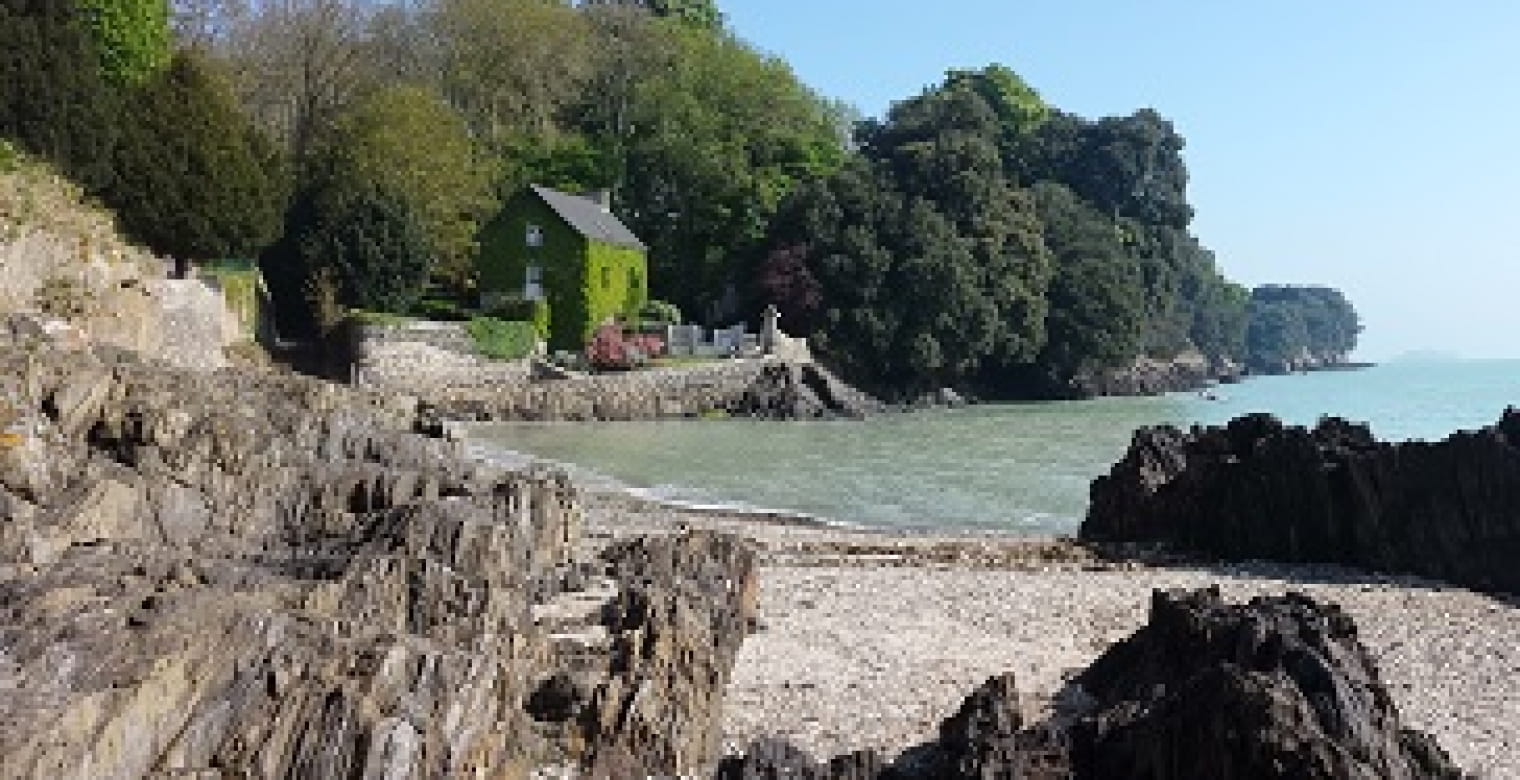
870 639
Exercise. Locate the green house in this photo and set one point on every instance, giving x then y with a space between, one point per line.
567 253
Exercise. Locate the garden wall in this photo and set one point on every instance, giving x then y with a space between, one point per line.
420 357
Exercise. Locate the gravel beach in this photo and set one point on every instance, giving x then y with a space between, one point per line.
869 640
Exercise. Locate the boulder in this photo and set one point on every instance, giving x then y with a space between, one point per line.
1258 489
1279 687
1276 688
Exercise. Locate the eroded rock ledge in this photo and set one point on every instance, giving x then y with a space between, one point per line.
1276 688
1257 488
247 574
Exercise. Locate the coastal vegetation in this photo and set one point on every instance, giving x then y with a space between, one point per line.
976 236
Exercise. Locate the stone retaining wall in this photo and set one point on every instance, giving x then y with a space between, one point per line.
422 358
686 391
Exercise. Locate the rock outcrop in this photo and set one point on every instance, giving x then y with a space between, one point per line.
1188 370
248 574
1256 488
1277 688
63 263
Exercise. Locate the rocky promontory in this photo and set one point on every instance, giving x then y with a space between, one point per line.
1256 488
254 574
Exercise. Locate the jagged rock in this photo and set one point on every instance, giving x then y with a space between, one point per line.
1256 488
1277 688
774 759
676 623
249 574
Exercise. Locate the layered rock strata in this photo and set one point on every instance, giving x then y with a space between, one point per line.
240 574
1276 688
1257 488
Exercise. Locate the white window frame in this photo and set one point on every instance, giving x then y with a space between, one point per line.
534 236
533 282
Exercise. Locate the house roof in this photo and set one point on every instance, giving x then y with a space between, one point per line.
588 217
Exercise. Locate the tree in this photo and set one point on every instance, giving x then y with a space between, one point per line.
512 66
295 65
714 136
1290 323
408 143
376 247
196 180
698 14
1096 294
787 282
133 37
54 100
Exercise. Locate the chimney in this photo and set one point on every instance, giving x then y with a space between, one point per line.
601 198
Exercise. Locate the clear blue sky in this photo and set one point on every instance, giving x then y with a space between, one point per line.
1372 146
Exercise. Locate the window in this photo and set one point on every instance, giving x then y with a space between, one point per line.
533 284
535 236
606 277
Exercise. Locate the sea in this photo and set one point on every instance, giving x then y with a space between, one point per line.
1019 468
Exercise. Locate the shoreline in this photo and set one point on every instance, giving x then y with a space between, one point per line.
868 637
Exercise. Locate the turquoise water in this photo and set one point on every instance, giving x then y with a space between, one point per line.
996 467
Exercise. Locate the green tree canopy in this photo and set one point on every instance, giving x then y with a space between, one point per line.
54 100
407 143
1289 323
196 181
133 35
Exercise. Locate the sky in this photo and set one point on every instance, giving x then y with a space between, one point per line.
1370 146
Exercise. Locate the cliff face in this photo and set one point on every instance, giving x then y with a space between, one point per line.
1256 488
260 575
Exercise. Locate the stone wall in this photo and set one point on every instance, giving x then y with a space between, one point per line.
421 358
686 391
768 388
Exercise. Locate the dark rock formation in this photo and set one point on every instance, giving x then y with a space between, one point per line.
794 391
1277 688
250 574
1256 488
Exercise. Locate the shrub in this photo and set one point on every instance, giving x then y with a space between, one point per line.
503 339
375 247
445 309
660 311
536 312
608 351
611 350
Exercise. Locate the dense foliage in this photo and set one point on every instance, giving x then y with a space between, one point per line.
974 236
133 37
982 238
193 179
163 142
1297 327
346 248
503 339
54 100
